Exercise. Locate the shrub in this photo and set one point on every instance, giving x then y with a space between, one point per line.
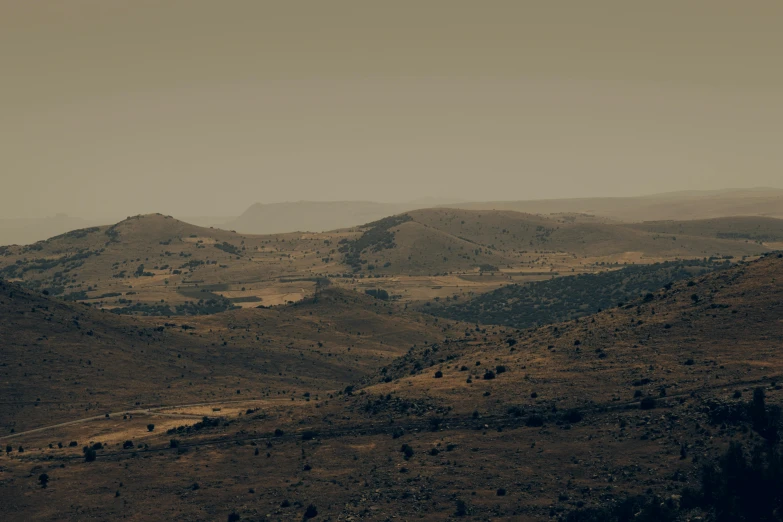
501 492
573 416
127 444
438 374
378 294
407 451
637 509
43 478
150 427
648 403
233 517
89 455
488 375
311 511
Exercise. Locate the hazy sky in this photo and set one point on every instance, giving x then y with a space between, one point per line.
202 107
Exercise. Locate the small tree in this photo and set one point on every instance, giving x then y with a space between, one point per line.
311 511
89 455
648 403
407 451
43 478
150 427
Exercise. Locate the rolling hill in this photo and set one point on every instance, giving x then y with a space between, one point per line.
160 262
444 240
157 265
748 228
61 359
570 297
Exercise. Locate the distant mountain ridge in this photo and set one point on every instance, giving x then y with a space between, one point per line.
321 216
684 205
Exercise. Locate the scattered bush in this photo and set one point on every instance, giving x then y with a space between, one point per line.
648 403
311 512
89 455
462 509
573 416
407 451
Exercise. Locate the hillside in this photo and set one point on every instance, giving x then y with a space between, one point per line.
570 297
754 229
445 240
499 423
63 360
160 262
158 265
